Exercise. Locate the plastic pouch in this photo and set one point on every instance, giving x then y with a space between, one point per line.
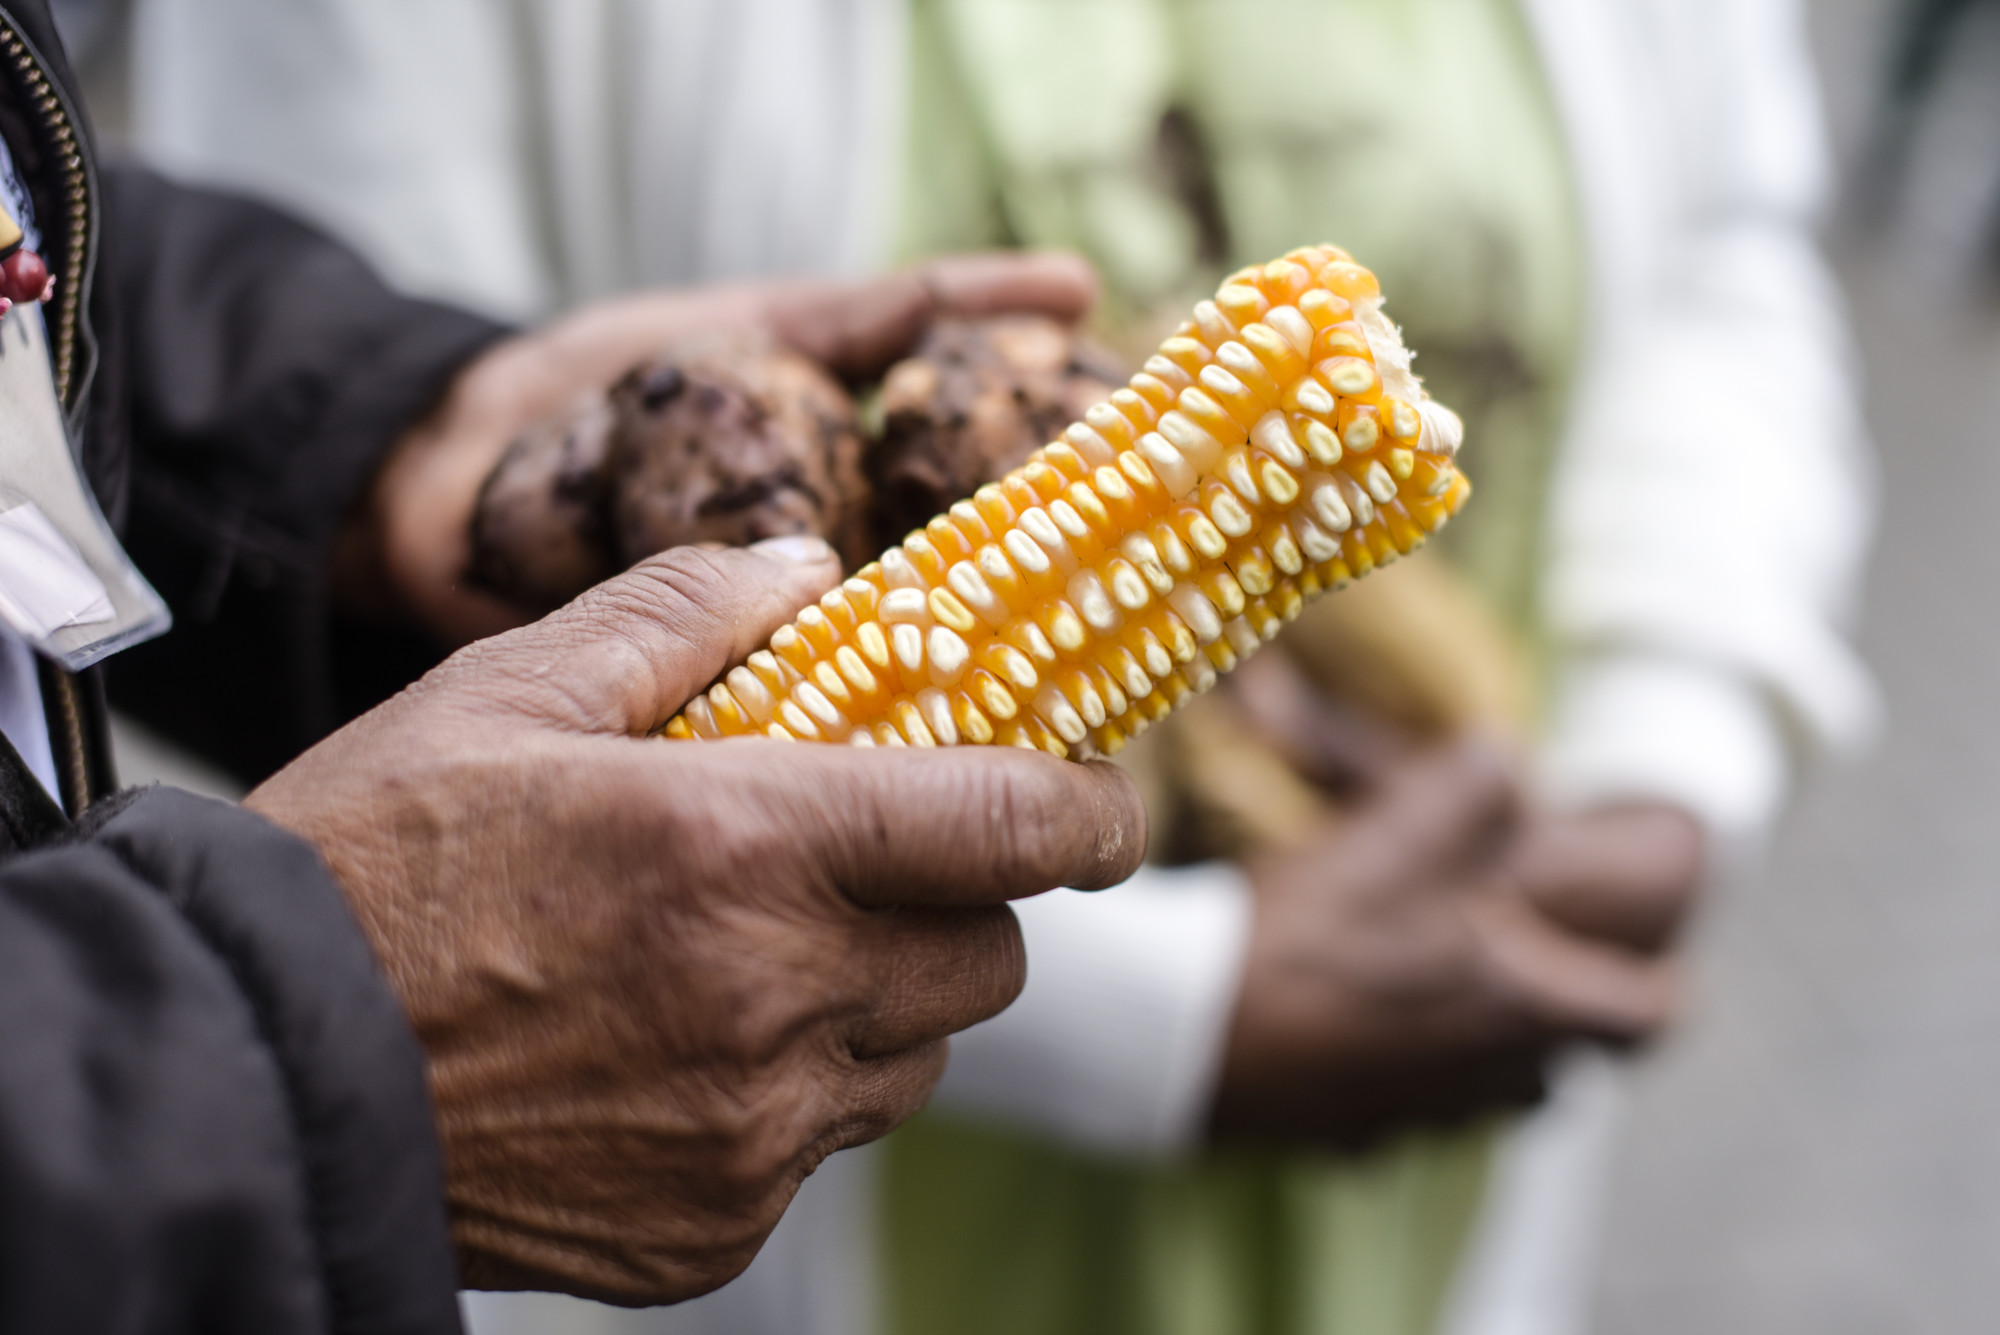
66 585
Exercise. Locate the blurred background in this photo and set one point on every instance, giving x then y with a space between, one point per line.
1815 1149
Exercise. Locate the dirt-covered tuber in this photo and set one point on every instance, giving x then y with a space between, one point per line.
721 440
976 399
542 533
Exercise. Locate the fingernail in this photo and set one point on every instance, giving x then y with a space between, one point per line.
798 548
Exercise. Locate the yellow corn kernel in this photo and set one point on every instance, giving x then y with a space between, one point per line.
1159 541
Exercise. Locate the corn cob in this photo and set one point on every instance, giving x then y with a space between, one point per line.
1277 446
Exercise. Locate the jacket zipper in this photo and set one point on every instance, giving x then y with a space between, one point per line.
59 125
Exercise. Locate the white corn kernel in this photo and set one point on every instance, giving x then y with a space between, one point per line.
900 573
1145 558
752 694
936 709
1176 474
1236 472
1193 607
1358 500
1277 484
1167 373
1313 398
1298 330
1285 554
1217 378
1036 524
1093 602
1196 445
1128 587
1094 448
1060 715
1026 552
1378 482
904 606
1070 522
907 643
1273 435
1212 324
1240 364
949 655
1313 540
1321 443
702 719
1228 514
814 701
972 589
1329 506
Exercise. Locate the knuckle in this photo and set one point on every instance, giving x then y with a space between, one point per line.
760 1142
756 1164
889 1091
668 588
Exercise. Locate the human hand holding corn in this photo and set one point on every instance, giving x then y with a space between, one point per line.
657 985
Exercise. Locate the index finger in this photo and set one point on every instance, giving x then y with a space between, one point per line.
959 825
1627 875
1572 985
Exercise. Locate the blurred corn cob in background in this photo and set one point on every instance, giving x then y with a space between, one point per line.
1277 446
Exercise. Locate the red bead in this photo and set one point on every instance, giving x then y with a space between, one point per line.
23 276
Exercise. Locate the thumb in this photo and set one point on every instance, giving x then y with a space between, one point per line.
626 655
1055 283
858 328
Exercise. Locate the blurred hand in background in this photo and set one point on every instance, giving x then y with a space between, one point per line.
1420 957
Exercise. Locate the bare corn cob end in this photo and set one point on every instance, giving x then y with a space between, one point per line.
1276 447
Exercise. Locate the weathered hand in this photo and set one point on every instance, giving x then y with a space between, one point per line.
658 982
1418 961
407 552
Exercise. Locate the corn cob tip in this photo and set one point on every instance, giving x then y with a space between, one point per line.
1276 447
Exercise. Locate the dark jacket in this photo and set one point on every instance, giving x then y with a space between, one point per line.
212 1111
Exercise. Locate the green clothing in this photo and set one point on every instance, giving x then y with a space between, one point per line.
992 1232
1172 141
1417 134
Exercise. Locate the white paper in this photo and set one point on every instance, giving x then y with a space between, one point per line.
45 583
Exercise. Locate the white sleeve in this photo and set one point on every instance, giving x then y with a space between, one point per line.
1117 1040
1714 497
395 126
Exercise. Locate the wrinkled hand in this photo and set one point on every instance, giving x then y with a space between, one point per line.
1418 962
657 983
407 551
